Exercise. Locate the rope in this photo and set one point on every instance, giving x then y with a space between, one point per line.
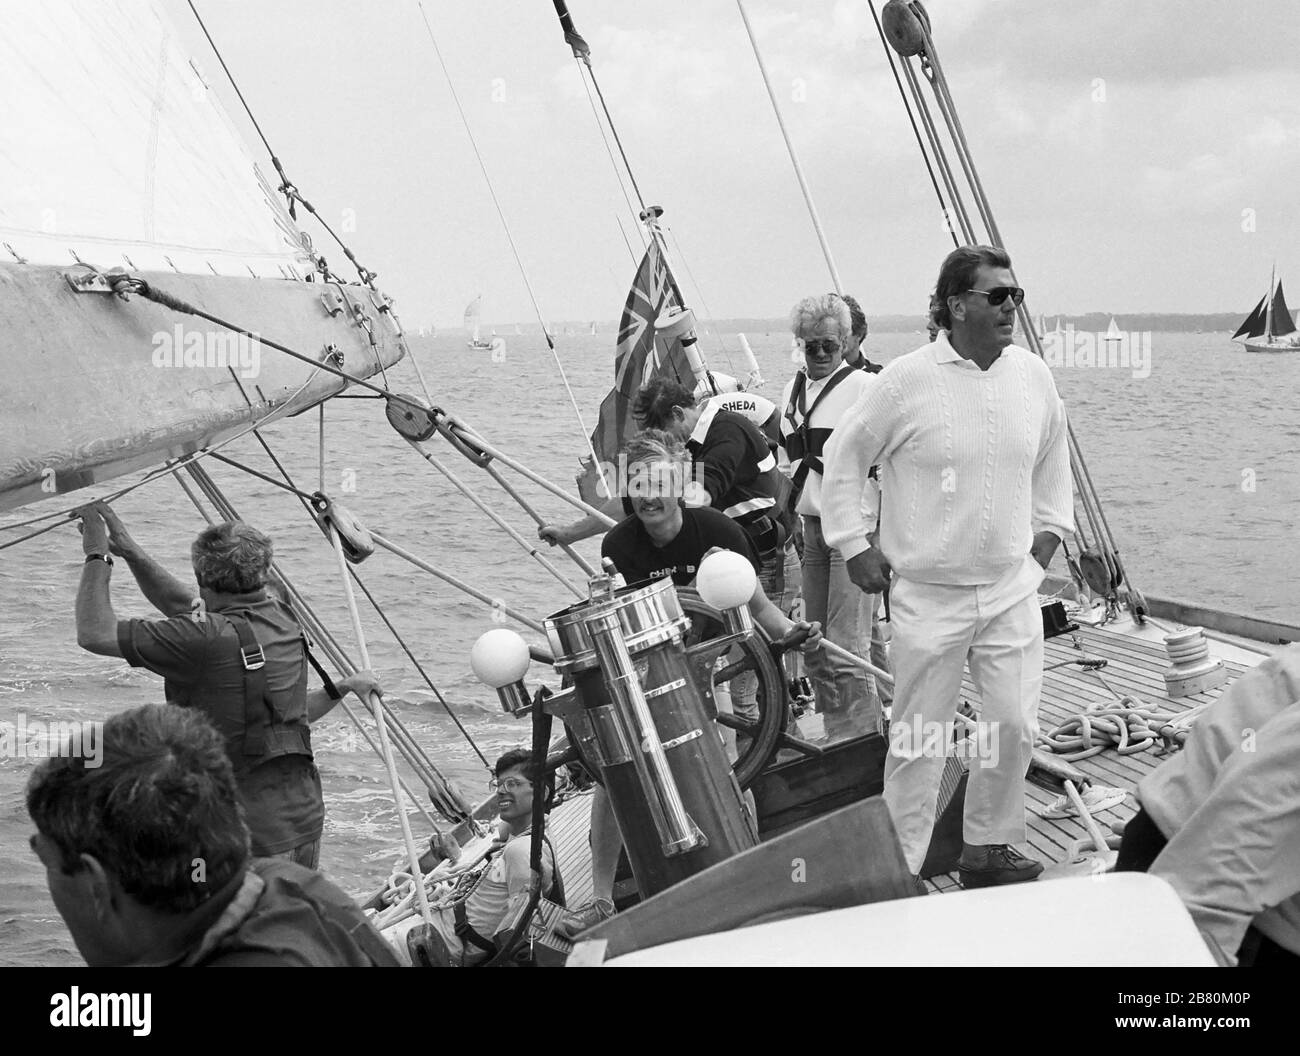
1126 724
889 57
613 162
388 623
377 708
708 314
514 249
287 187
1088 500
794 158
440 791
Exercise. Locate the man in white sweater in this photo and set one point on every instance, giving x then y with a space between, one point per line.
970 436
812 405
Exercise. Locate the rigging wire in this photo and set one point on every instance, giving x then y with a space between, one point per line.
708 314
291 589
514 249
613 162
382 615
794 158
889 57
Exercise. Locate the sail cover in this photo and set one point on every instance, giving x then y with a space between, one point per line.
1283 324
1254 324
114 149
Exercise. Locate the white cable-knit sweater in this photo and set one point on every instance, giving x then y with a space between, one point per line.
972 463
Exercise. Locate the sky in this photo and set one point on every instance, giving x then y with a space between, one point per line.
1138 157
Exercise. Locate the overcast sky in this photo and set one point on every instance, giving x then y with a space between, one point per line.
1121 144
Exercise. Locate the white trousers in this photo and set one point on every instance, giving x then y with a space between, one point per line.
998 627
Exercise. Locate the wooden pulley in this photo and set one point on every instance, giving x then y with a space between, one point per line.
902 28
356 540
410 418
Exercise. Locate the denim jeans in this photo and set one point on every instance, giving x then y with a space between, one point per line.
846 694
744 687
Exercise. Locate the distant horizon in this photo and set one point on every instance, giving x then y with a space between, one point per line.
887 323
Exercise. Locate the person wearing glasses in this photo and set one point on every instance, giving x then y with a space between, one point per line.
467 931
970 436
814 402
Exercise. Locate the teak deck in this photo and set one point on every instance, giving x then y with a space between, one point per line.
1136 662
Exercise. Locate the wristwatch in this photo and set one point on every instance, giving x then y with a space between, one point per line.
106 558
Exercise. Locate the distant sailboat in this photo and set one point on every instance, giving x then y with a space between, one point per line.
1113 332
472 312
518 332
1270 327
593 329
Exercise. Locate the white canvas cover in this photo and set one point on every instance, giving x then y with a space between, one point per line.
112 145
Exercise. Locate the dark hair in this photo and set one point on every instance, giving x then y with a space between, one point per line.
522 757
162 800
231 557
956 275
856 314
653 406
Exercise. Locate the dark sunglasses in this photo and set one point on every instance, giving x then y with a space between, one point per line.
1000 293
817 346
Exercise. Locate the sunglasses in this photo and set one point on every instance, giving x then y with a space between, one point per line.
1000 293
817 346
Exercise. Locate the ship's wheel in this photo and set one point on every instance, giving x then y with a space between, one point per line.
756 738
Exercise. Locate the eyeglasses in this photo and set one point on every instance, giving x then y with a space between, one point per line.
1000 293
821 346
510 784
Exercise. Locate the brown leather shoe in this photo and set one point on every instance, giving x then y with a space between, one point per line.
995 864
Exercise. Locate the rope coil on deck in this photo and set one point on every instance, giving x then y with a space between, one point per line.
1127 724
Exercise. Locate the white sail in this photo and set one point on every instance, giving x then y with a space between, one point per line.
1113 332
472 312
113 146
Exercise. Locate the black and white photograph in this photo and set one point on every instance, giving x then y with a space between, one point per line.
692 483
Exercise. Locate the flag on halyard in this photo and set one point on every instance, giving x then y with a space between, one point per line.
638 358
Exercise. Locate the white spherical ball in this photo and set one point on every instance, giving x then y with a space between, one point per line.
499 658
726 580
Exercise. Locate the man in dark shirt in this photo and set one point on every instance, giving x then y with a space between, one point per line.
263 711
147 859
734 470
665 537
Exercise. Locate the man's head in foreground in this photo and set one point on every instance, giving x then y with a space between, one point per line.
133 846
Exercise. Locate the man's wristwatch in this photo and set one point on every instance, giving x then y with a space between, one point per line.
106 558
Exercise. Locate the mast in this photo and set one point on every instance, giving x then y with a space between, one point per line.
1268 311
794 158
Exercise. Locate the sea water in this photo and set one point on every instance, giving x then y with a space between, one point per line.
1197 460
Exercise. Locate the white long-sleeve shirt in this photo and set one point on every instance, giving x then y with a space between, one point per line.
1230 804
827 415
973 463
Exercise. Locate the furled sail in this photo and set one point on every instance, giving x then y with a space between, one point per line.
1283 323
1254 324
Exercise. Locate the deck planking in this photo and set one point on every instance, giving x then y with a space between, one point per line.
1134 667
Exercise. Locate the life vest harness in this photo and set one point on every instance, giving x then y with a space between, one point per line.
267 733
803 444
465 930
